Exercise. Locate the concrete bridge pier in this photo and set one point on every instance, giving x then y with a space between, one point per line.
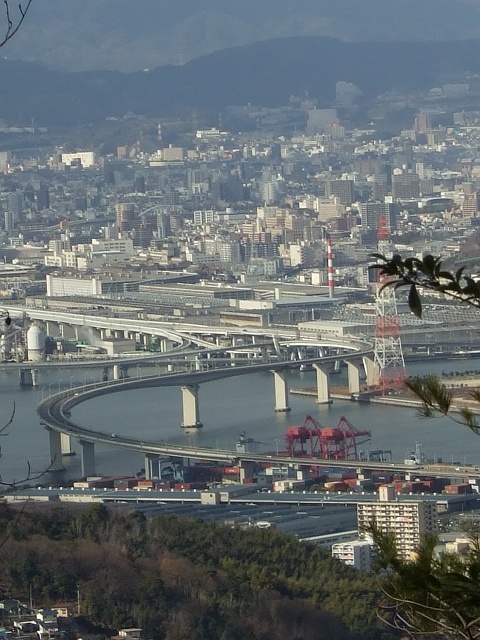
53 328
66 445
55 440
152 466
371 371
281 391
246 470
302 471
120 371
29 378
88 458
191 411
353 369
323 385
68 332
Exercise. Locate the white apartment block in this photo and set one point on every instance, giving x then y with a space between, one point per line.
86 158
206 216
357 554
408 520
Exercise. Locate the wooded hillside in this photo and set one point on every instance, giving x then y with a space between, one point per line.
179 578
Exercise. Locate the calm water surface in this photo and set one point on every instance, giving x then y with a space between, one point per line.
227 408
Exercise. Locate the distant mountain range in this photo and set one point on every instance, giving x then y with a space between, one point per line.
265 73
130 35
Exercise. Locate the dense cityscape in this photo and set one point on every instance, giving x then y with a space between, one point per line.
195 297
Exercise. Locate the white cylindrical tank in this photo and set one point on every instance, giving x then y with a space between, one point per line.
35 343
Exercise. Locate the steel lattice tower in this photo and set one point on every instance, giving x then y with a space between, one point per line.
388 353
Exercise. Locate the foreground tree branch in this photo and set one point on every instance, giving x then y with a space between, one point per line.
13 19
29 475
428 275
431 595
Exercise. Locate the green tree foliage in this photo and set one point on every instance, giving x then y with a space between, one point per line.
426 275
180 578
434 595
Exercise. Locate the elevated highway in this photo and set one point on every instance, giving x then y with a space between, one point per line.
55 414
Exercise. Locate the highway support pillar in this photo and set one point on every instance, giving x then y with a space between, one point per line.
35 377
281 391
120 371
191 411
370 371
302 471
29 378
353 369
323 384
88 458
66 445
152 466
246 470
55 439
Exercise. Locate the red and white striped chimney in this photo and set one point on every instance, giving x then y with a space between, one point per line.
331 285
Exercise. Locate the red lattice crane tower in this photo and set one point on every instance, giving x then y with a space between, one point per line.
326 443
388 353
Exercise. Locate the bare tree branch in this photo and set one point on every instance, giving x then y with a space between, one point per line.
5 426
29 475
13 20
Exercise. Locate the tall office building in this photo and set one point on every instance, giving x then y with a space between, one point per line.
15 202
470 201
423 123
9 221
43 197
407 520
341 189
405 186
124 214
372 212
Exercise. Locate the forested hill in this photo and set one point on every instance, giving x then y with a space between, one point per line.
178 578
128 36
265 73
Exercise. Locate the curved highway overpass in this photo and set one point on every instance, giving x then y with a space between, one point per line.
55 411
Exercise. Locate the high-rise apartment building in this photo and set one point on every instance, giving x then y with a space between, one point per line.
407 520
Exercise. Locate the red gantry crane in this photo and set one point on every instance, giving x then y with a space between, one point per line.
326 443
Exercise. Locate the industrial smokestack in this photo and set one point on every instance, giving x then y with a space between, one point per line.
331 285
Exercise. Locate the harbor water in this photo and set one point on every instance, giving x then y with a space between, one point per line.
227 408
